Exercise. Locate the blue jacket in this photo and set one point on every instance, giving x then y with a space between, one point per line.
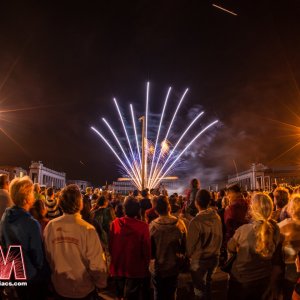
18 227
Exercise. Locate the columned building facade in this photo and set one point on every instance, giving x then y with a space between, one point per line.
45 176
262 177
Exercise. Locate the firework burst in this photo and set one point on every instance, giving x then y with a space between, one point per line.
145 162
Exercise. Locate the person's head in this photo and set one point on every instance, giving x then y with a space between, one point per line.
50 192
281 197
97 191
37 188
70 199
88 190
294 207
261 211
261 206
144 193
173 200
233 192
297 189
164 192
43 190
38 209
135 193
4 182
132 207
245 194
221 194
225 202
21 192
119 210
86 208
274 186
154 201
195 184
212 195
202 199
162 205
102 201
290 190
95 197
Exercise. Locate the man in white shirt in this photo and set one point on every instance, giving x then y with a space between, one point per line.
74 251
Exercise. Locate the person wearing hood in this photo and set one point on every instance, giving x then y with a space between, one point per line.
168 245
129 245
204 241
18 227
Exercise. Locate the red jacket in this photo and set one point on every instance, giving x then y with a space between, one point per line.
129 245
235 216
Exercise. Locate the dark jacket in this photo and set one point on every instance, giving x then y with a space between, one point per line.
191 196
129 246
18 227
103 217
145 204
168 244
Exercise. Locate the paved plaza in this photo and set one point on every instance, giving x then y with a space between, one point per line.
185 288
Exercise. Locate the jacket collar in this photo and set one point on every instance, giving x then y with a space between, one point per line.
73 216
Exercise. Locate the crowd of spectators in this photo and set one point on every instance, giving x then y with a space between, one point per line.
73 243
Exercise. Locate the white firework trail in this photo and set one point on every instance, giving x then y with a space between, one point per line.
158 131
169 129
158 163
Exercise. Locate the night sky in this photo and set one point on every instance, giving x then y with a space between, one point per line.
62 64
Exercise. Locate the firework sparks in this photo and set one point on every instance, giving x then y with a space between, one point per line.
160 157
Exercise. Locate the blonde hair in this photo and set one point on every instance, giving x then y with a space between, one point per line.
261 210
20 190
294 207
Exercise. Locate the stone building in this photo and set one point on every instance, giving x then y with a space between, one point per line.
45 176
13 172
260 176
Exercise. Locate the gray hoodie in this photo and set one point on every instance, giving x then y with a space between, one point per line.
168 242
204 235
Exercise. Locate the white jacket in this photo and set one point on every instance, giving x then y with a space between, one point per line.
75 256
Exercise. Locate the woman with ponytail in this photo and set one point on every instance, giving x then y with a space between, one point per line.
255 244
